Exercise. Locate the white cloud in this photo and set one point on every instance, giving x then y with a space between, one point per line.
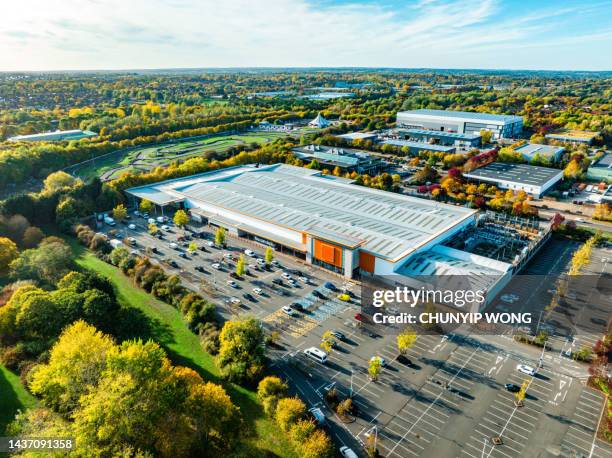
78 34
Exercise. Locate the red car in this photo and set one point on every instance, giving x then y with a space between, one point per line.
359 317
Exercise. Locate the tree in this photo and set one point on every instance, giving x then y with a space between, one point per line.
374 368
240 266
241 350
75 365
269 391
318 445
406 340
181 218
48 263
327 341
344 407
118 255
520 395
288 412
220 236
32 237
269 255
8 252
59 180
119 212
146 206
486 136
153 229
192 247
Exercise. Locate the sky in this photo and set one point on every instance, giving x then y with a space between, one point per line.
38 35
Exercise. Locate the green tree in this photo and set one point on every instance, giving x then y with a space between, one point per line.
240 266
289 411
119 212
8 252
269 255
146 206
241 350
181 218
76 363
269 391
59 180
220 236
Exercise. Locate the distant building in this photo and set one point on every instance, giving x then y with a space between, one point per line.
441 138
359 136
348 160
319 122
574 136
462 122
518 177
602 169
416 147
57 136
531 150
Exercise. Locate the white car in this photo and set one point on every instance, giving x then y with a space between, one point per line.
510 298
165 227
525 369
275 263
317 354
174 246
288 310
380 359
258 291
136 213
232 283
227 256
235 300
132 227
286 275
216 265
291 281
304 279
211 244
151 221
261 262
347 452
250 253
161 219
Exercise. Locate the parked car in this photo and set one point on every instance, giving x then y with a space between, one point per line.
258 291
234 275
232 283
199 268
165 227
525 369
173 263
288 311
173 245
210 244
250 253
347 452
216 265
337 334
512 387
510 298
182 255
318 294
132 227
330 285
151 221
278 281
317 354
235 300
359 317
249 297
286 275
275 263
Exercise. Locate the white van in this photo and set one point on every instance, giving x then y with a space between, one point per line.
316 354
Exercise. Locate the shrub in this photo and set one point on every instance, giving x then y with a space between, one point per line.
288 412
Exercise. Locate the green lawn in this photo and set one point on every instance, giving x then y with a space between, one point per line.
262 436
13 397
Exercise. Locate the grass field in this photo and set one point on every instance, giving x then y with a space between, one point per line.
13 397
148 157
262 437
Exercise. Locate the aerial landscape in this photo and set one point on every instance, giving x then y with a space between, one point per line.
306 229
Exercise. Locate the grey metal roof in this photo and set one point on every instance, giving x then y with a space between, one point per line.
517 173
391 225
463 115
604 163
531 149
420 145
440 134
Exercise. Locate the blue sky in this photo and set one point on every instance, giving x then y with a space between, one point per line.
127 34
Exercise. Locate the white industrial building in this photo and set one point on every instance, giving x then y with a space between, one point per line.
462 122
55 136
518 177
328 221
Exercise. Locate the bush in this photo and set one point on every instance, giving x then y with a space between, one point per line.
209 338
269 391
288 412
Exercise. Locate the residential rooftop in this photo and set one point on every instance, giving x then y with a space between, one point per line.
385 224
516 173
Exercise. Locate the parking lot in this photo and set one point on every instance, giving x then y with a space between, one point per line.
444 398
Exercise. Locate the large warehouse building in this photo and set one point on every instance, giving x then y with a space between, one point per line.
462 122
323 219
